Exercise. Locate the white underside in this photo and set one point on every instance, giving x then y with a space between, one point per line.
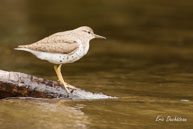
57 58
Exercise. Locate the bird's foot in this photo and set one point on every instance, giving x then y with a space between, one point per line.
69 88
72 88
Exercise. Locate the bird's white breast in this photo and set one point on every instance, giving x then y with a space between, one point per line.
86 48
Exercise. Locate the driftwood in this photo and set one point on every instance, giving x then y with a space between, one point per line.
15 84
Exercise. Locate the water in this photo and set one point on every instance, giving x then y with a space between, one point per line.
146 61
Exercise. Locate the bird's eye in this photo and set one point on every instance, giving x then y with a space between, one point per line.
89 32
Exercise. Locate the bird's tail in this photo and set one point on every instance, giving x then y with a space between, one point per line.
21 47
18 48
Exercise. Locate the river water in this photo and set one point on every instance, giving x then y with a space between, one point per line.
146 61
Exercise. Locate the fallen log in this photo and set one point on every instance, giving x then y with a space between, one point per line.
15 84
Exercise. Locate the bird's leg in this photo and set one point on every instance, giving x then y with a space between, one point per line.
60 78
67 85
55 68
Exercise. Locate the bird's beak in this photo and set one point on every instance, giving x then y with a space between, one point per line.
99 37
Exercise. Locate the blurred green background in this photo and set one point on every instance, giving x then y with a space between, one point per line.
147 61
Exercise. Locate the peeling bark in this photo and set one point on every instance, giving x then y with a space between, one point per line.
15 84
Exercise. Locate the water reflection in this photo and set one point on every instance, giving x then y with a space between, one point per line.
41 114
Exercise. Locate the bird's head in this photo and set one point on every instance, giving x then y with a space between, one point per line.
87 32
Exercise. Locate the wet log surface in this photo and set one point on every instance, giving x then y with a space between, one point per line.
15 84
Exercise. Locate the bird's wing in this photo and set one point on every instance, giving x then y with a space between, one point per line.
54 44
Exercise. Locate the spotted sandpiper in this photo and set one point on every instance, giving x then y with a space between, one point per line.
61 48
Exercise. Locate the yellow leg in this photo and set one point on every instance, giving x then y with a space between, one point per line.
60 78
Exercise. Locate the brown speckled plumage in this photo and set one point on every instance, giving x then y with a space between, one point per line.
61 42
54 44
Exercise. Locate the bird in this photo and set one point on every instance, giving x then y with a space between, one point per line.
62 48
